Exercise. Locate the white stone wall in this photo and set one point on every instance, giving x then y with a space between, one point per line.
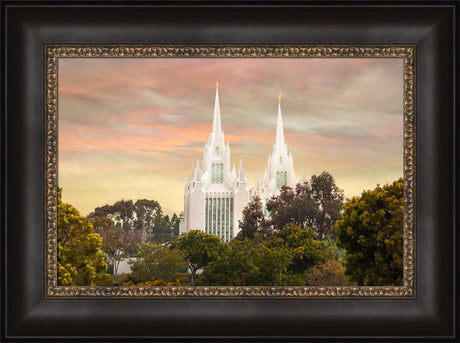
196 208
241 201
124 266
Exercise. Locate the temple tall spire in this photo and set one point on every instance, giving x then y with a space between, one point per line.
214 196
216 123
279 141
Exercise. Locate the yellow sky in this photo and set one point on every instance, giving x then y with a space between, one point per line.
131 128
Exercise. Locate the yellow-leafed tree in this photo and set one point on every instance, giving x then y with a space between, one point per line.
80 260
371 231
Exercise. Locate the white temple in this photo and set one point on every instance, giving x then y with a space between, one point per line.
215 196
279 171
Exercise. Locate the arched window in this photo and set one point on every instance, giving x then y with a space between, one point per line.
217 151
281 160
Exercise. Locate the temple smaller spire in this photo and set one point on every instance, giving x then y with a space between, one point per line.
279 139
266 181
303 178
241 173
257 183
198 173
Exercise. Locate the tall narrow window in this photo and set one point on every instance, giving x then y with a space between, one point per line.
281 160
221 172
231 217
214 216
218 224
213 173
281 179
217 151
206 229
217 173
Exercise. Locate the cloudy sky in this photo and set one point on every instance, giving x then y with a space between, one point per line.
130 128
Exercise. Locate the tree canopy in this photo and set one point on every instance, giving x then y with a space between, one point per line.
280 261
80 261
329 273
159 262
371 232
137 222
316 204
305 249
253 220
245 264
199 249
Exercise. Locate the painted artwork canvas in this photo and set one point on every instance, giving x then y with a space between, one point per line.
230 171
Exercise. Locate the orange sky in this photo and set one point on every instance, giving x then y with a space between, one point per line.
130 128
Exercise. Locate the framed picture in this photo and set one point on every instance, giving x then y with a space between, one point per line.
103 119
220 202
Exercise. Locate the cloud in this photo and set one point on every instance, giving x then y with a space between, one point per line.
135 126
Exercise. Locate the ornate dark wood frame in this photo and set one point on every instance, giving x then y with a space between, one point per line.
29 312
56 52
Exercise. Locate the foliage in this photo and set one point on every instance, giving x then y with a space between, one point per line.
157 262
244 264
148 213
233 266
329 273
153 282
138 222
338 252
252 219
198 248
80 261
316 204
292 207
175 222
305 249
329 200
113 245
165 229
281 261
371 232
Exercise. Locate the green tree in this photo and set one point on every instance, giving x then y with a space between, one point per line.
252 219
157 262
233 266
241 263
316 204
273 265
329 273
80 260
175 222
371 232
162 231
198 248
330 201
139 221
113 246
148 213
301 243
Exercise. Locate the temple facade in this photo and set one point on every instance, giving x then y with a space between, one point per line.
215 195
279 170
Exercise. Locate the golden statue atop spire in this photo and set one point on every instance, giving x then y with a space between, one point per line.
279 98
217 84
